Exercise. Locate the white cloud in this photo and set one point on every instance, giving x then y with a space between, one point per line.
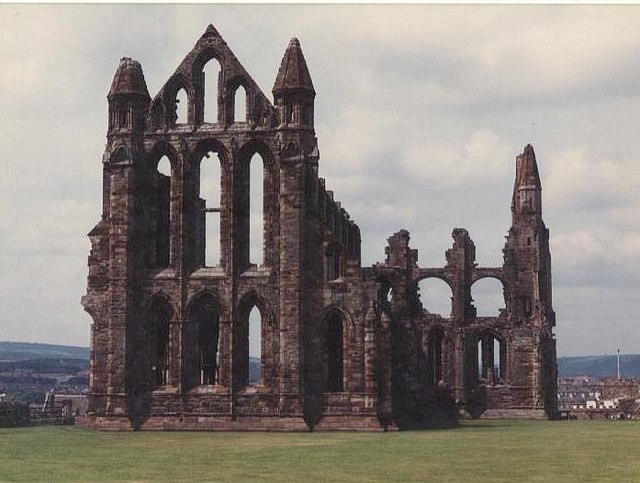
481 158
420 112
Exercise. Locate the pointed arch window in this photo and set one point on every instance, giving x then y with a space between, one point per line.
250 330
163 212
211 72
256 210
182 107
255 346
492 358
240 104
488 296
158 324
435 296
210 203
256 206
203 343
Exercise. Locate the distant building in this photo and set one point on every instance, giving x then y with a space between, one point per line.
593 398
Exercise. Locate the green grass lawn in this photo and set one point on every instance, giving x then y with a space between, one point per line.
572 451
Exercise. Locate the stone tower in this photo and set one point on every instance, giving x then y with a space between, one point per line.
172 315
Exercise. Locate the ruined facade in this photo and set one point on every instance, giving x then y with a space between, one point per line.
342 346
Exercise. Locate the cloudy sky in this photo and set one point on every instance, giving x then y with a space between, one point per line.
420 112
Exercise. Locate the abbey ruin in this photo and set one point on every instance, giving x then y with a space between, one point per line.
342 346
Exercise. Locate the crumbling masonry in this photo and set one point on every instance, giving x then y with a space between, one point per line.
342 346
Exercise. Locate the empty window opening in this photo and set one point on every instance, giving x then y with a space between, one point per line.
208 349
182 107
240 105
163 212
210 201
332 262
202 343
255 346
492 358
335 352
158 343
164 166
256 210
211 72
434 356
435 296
488 297
248 353
385 293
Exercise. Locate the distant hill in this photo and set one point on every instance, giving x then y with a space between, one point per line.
21 351
599 366
594 366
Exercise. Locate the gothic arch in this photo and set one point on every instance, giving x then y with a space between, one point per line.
204 333
490 354
253 298
208 215
343 312
269 342
242 208
169 94
447 309
256 146
159 316
203 294
197 74
480 273
230 91
158 150
502 304
336 334
204 57
210 145
439 276
161 195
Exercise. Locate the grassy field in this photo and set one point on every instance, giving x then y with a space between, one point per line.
573 451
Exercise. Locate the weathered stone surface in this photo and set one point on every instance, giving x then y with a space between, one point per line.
170 338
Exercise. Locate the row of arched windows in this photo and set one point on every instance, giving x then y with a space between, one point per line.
211 108
489 356
237 103
487 294
202 345
210 206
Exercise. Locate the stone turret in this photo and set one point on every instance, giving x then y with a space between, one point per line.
128 97
527 189
293 90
